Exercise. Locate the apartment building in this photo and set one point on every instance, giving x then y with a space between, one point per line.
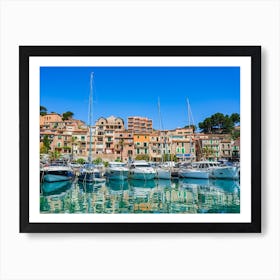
140 125
124 145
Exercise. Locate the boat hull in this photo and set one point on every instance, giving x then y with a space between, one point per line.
163 174
117 175
141 175
50 178
231 173
194 174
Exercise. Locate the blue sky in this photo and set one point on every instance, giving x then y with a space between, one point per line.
134 91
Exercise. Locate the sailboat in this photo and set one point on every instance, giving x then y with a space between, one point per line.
162 172
207 169
90 173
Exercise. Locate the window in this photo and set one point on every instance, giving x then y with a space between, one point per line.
59 137
146 151
145 144
58 144
138 151
183 150
82 138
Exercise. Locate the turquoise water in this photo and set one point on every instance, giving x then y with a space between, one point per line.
136 196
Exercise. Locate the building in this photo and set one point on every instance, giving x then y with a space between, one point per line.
105 129
236 150
182 143
140 125
141 143
123 145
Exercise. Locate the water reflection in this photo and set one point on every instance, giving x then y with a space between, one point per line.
136 196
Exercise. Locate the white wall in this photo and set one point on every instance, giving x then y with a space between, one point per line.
139 256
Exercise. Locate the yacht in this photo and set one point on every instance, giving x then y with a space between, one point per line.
141 170
163 173
117 171
56 173
209 170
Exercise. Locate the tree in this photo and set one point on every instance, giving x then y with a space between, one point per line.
81 161
142 157
206 125
121 143
54 155
208 152
235 118
73 143
46 144
67 115
228 125
43 110
98 160
191 126
219 123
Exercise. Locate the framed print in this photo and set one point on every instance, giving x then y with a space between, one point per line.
140 138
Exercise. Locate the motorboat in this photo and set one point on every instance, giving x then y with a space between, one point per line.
56 173
117 171
141 170
163 173
197 170
209 170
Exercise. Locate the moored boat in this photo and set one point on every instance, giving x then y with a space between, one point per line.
117 171
141 170
55 173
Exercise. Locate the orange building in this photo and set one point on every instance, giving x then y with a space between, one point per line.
141 143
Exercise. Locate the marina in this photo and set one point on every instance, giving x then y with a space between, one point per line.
104 167
137 196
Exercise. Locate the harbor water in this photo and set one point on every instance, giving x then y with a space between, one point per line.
137 196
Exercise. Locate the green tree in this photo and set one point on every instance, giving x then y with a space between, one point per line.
208 152
46 144
191 126
206 125
142 157
228 125
43 110
67 115
98 160
81 161
54 155
235 118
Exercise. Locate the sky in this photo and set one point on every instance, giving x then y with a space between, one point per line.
135 91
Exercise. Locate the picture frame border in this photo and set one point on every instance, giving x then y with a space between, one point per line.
25 52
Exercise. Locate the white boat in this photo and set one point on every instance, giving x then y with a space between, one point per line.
209 170
141 170
56 173
196 170
163 173
117 171
225 172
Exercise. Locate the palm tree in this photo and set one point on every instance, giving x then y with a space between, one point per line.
121 143
73 142
207 152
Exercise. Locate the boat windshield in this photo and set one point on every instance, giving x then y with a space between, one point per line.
141 165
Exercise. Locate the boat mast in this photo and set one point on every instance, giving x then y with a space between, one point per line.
189 120
90 117
160 128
